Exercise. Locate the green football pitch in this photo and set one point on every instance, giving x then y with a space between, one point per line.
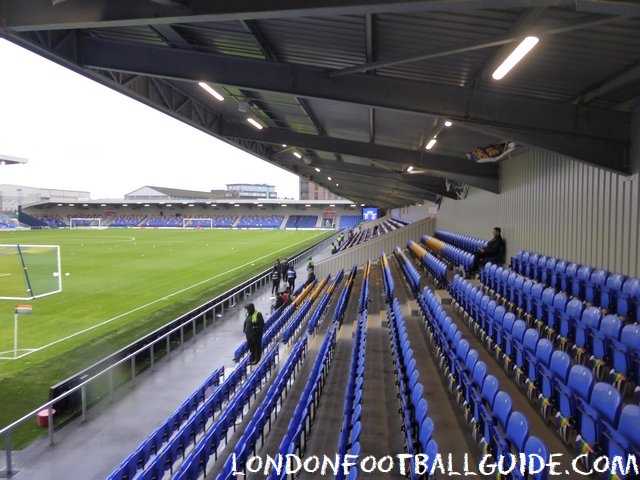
118 285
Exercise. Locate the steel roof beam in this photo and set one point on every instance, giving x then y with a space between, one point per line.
596 136
432 161
31 15
626 77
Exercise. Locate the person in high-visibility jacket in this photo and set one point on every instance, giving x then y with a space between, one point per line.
253 329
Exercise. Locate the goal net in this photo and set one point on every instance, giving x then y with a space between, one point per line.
197 223
29 271
88 222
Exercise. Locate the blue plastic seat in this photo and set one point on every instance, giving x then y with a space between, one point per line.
535 445
533 307
590 321
524 348
521 267
556 372
494 323
512 339
517 431
582 278
604 404
518 286
558 311
503 283
546 318
624 353
502 407
539 267
559 277
547 270
580 382
628 304
610 291
571 273
594 286
535 364
532 265
623 440
610 329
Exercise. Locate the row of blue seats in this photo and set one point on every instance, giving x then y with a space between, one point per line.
613 292
364 299
187 436
246 445
454 256
563 391
416 424
294 441
611 347
324 301
496 426
349 439
341 306
436 268
411 273
159 437
289 330
197 460
466 242
301 221
388 283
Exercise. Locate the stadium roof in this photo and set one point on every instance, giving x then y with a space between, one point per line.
357 88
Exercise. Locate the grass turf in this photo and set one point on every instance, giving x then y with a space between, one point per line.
121 285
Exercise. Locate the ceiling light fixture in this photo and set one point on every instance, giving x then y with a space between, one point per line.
518 54
254 123
207 88
297 155
448 123
317 169
410 169
329 178
431 143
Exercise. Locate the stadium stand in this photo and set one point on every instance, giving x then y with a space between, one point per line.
499 352
260 221
301 221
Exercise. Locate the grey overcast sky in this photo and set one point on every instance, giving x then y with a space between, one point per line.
79 135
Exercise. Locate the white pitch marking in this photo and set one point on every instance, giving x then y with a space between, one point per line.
68 337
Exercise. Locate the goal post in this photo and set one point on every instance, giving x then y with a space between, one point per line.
199 222
85 222
29 271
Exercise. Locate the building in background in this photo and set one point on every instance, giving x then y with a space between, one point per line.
253 190
313 191
12 197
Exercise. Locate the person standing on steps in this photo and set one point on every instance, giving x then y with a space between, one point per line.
253 329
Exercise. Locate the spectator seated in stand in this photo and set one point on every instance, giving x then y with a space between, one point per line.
494 252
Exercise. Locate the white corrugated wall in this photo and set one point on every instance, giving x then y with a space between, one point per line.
558 207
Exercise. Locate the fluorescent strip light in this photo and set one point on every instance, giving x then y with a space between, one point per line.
431 143
518 54
211 91
254 123
297 155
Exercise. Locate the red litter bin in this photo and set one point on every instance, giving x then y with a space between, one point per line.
43 417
